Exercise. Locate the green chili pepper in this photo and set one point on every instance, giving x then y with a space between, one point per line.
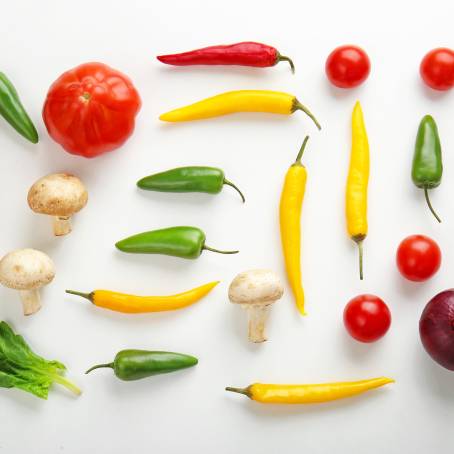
12 110
136 364
184 242
188 179
427 166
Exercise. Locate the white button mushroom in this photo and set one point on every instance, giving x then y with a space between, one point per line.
255 291
27 270
59 195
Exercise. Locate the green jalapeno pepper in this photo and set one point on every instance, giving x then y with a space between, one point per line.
12 110
188 179
136 364
427 166
184 242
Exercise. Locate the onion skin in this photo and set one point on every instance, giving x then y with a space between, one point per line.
436 328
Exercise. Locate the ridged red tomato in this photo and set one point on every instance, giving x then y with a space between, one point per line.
91 109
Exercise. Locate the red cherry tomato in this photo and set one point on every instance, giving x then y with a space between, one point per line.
437 69
418 258
91 109
347 66
367 318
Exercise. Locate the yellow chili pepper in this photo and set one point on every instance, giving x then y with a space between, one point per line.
290 216
358 177
308 394
131 304
239 101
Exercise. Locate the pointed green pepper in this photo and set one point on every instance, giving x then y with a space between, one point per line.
427 166
131 365
12 110
188 179
184 242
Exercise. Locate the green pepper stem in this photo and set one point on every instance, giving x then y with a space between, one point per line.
285 58
229 183
88 296
245 391
67 384
205 247
99 366
298 106
426 194
300 153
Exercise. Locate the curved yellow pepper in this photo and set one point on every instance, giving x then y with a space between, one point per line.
290 220
239 101
357 181
122 302
308 394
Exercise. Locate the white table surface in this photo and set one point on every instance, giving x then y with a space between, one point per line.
189 411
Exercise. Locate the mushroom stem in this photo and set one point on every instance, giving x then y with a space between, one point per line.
257 315
30 301
62 225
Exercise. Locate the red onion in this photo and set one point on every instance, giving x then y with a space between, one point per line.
436 328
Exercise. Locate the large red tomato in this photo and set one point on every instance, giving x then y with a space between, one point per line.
91 109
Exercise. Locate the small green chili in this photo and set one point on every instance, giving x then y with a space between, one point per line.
188 179
12 110
427 166
184 242
136 364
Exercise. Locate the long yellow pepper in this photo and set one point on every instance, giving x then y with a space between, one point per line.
290 221
308 394
357 181
239 101
131 304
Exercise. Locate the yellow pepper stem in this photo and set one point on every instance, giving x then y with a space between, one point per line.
88 296
300 153
245 391
359 241
298 106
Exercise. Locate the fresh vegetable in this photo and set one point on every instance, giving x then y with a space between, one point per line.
131 365
436 328
133 304
418 258
308 394
367 318
347 66
290 219
427 167
12 110
437 69
239 101
188 179
241 54
255 291
59 195
91 109
357 181
23 369
27 270
184 242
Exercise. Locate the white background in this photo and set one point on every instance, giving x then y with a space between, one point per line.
189 411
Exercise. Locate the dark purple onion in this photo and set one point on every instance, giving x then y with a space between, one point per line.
436 328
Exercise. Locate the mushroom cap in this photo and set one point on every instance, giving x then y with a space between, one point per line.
57 194
256 287
26 269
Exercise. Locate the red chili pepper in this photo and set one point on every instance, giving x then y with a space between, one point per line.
242 54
